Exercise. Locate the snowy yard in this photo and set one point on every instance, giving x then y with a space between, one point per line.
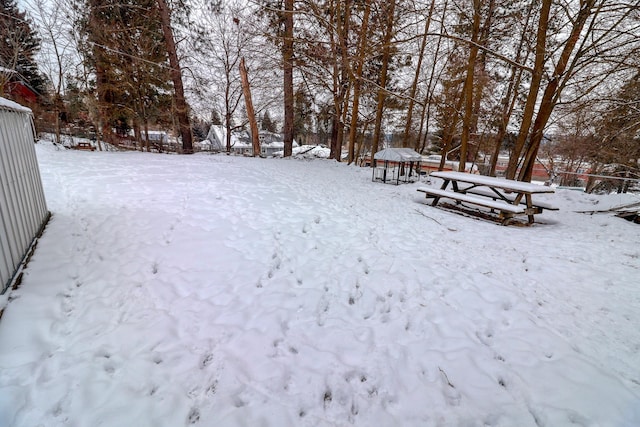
228 291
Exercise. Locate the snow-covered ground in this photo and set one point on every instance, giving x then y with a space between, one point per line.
228 291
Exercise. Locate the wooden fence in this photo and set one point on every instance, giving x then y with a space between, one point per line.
23 210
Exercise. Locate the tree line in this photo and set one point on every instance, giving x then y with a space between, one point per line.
469 79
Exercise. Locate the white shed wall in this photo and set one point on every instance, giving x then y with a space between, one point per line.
23 209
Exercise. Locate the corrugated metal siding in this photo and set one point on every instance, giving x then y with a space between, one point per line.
23 209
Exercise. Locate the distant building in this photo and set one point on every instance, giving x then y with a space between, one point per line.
16 89
270 142
240 141
158 136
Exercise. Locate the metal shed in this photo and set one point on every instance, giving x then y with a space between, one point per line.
398 165
23 209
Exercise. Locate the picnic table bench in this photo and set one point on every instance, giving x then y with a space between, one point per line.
507 196
84 146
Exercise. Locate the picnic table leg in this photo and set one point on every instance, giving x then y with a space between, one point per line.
528 202
530 207
442 187
506 219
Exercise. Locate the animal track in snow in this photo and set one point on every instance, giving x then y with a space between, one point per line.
194 416
206 360
67 305
109 368
323 308
211 390
327 398
238 402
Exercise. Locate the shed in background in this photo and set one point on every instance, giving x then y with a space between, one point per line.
396 165
23 209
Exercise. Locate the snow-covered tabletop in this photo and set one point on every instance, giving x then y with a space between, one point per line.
493 182
510 193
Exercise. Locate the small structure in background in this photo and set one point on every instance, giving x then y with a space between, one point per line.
241 144
16 88
398 165
155 136
85 146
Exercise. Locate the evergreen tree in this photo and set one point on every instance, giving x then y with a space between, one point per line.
618 128
128 55
215 118
200 128
18 45
267 123
301 114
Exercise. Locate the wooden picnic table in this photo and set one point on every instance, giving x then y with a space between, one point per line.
510 197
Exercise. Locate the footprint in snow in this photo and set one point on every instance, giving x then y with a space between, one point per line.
327 398
67 305
206 360
194 416
109 368
323 308
153 390
211 390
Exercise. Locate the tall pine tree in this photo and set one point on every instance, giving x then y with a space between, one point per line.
128 55
18 45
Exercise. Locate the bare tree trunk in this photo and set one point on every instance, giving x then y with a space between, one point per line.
334 24
345 111
287 55
551 93
227 108
146 135
227 137
356 83
447 135
344 19
56 111
361 141
510 97
426 114
481 68
507 109
414 85
382 94
104 98
534 88
250 111
102 88
468 87
136 130
182 110
335 124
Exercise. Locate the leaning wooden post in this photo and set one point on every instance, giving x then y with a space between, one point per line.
251 115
